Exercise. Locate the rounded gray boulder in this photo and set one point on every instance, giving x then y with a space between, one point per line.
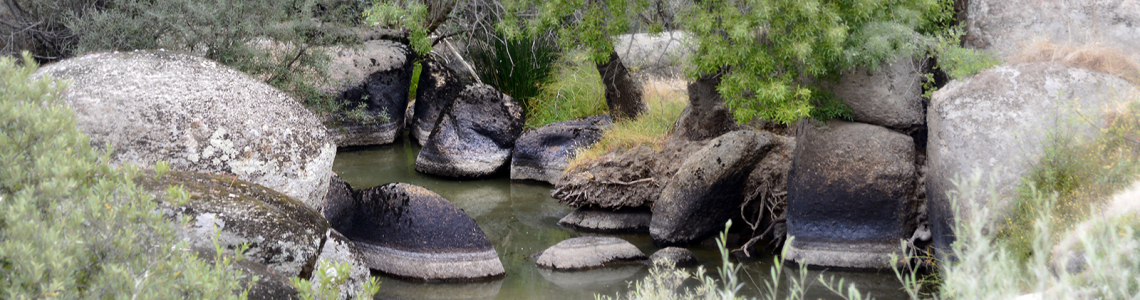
632 220
589 252
674 257
474 135
376 77
199 116
409 231
542 154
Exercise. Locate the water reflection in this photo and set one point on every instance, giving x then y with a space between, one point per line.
520 219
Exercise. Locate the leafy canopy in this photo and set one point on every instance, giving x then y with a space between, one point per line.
585 24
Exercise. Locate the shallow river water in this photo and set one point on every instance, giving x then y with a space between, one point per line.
520 219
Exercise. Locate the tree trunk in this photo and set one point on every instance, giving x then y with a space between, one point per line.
623 95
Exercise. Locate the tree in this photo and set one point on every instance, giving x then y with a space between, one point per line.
589 24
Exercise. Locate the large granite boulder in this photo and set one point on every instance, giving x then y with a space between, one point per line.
706 191
999 122
850 194
375 76
542 154
409 231
474 135
438 87
199 116
648 55
1006 26
625 220
282 233
890 96
589 252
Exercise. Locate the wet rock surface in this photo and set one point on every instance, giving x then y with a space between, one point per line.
675 257
627 220
438 87
704 193
474 135
589 252
409 231
282 232
1000 121
376 76
542 154
850 194
199 116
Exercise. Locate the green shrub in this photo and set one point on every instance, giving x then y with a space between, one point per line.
329 278
574 91
516 66
71 227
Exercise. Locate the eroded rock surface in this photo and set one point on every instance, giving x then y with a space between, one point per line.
199 116
589 252
376 76
542 154
438 87
632 220
411 232
705 191
282 232
474 135
850 194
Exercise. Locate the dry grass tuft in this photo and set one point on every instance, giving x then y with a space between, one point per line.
1093 57
664 99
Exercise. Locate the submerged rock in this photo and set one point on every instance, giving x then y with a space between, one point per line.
376 77
438 87
589 252
282 232
474 136
675 257
850 195
199 116
592 278
631 220
409 231
542 154
706 190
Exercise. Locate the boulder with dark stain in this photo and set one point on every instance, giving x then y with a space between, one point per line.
850 194
438 87
542 154
408 231
376 77
474 135
706 191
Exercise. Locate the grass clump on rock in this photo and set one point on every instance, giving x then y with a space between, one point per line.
575 91
665 100
72 227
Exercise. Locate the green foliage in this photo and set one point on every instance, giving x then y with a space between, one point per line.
71 227
578 24
416 71
177 194
409 16
160 169
272 40
330 276
574 91
957 61
518 67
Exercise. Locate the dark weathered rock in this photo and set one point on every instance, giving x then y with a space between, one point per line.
850 194
1006 26
438 87
474 135
589 252
409 231
999 122
339 201
890 96
199 116
338 249
377 77
623 94
629 220
542 154
766 190
633 178
705 191
282 232
675 257
705 117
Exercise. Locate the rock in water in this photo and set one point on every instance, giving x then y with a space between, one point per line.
282 232
199 116
375 77
438 87
542 154
675 257
850 194
1000 121
632 220
474 135
707 190
589 252
409 231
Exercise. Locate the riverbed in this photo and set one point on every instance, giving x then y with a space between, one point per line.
521 219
